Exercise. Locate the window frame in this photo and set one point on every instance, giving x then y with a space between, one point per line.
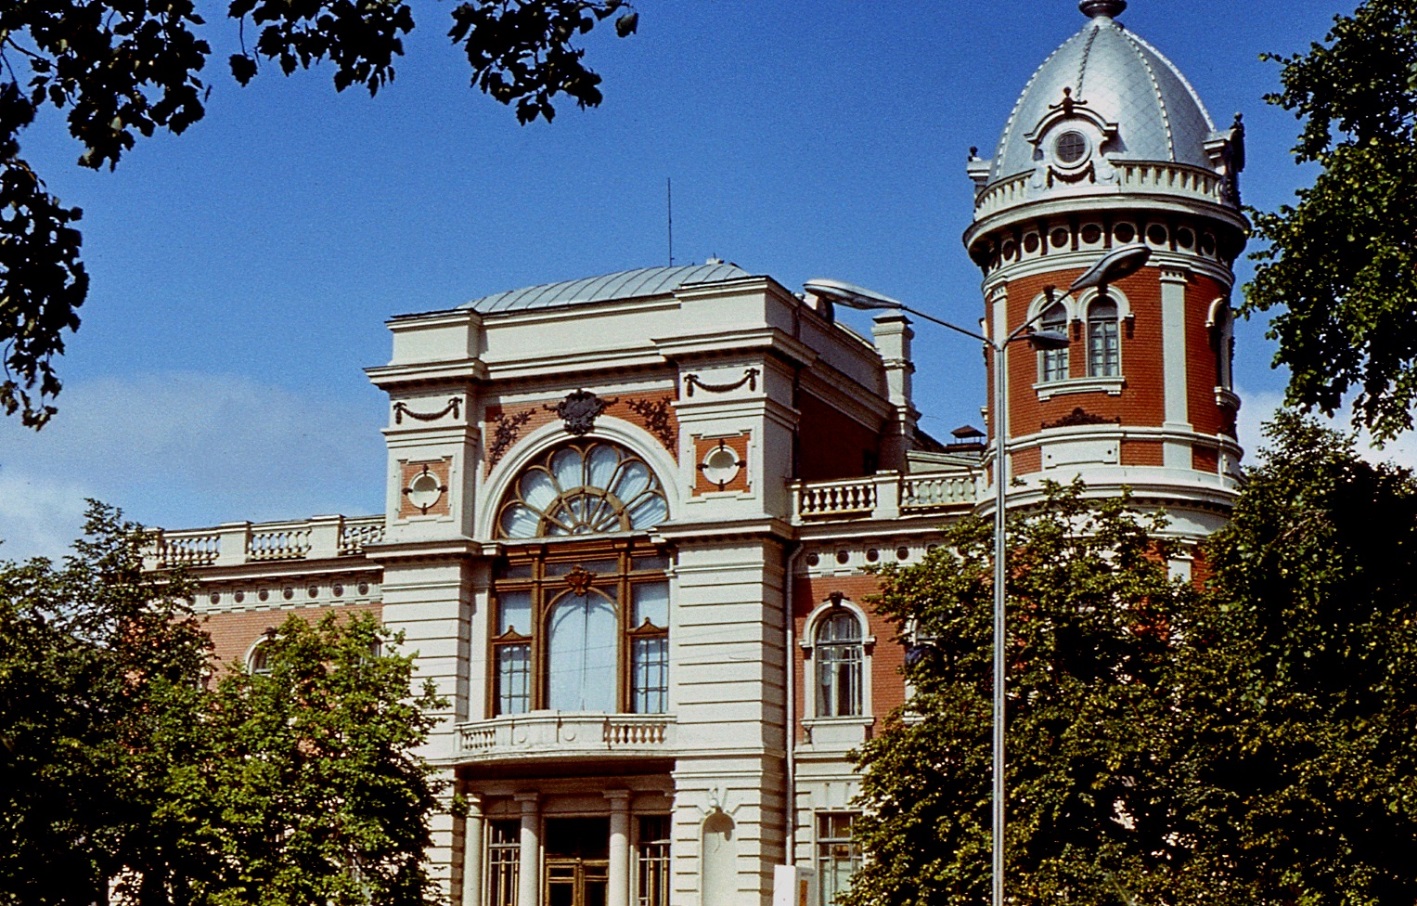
1055 365
1110 363
822 855
811 710
546 573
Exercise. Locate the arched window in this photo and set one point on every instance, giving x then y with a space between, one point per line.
1053 363
839 655
583 489
581 624
1104 356
258 661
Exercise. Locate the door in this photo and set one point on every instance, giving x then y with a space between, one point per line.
577 861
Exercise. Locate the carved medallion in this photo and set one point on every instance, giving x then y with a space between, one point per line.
579 410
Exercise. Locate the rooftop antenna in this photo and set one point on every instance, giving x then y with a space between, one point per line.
669 205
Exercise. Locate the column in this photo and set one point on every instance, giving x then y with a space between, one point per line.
619 873
1177 452
472 853
529 871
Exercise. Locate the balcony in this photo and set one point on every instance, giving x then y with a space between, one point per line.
239 543
566 735
885 495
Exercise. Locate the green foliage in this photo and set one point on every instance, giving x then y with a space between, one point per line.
1340 266
99 669
1301 696
319 796
1252 744
1090 610
120 69
121 766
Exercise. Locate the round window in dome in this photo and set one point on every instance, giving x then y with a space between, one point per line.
1070 148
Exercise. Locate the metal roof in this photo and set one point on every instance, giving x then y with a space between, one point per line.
638 283
1125 80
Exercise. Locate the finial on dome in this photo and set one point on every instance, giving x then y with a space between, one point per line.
1109 8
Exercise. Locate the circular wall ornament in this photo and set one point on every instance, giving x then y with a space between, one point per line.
721 465
424 490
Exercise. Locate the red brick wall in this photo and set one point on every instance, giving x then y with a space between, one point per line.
233 634
1143 453
1202 367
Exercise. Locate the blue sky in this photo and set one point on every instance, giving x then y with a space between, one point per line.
242 272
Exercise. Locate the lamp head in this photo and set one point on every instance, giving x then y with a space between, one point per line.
1048 339
852 296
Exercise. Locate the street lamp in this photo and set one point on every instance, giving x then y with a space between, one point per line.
1114 265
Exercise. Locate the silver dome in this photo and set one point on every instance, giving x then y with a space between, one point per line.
1115 78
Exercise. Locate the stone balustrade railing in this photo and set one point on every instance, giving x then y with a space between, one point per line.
236 543
1170 178
885 495
566 734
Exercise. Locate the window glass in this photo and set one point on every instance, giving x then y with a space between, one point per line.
652 861
651 604
581 654
1055 361
514 612
839 657
503 862
583 488
838 856
1103 350
513 679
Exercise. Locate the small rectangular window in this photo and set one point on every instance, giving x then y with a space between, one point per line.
838 855
503 862
650 683
513 679
652 861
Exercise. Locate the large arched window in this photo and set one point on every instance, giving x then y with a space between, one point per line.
1104 354
583 489
581 624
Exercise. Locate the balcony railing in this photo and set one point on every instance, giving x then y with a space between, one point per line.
237 543
566 735
1168 178
885 495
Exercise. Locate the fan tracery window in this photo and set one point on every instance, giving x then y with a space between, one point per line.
583 489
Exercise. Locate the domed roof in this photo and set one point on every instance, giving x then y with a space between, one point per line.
1146 109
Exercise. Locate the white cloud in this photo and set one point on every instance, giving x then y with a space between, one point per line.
1259 407
187 449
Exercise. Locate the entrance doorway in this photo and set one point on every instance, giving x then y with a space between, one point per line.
577 861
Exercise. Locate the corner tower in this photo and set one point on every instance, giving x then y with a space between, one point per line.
1110 146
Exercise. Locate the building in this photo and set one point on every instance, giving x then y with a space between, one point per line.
628 517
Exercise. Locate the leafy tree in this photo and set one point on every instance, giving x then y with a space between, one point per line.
1340 267
119 69
319 795
1300 696
123 770
1253 743
99 696
1089 725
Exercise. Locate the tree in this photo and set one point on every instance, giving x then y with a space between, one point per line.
1300 694
99 696
1089 820
123 770
1340 266
1253 743
125 68
318 795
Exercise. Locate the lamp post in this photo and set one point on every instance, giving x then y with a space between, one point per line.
1114 265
